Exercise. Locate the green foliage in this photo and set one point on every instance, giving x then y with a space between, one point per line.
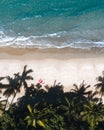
55 121
35 117
50 108
93 114
7 122
46 117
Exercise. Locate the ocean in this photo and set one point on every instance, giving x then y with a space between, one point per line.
52 23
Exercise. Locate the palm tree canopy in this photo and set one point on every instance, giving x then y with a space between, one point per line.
93 113
81 89
100 85
12 86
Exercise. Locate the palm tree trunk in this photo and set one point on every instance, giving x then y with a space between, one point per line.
6 104
13 98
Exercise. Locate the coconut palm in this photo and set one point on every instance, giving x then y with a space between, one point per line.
12 87
81 90
14 84
92 96
93 114
100 85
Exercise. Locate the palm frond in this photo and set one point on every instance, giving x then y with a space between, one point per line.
29 71
3 85
24 70
1 78
76 86
95 93
88 86
8 92
54 84
29 78
73 90
88 92
98 85
17 75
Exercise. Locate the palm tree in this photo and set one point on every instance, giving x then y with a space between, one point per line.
100 85
24 77
14 84
12 87
80 91
93 114
68 109
3 103
92 96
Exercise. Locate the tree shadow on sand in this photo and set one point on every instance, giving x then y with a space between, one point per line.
36 94
77 108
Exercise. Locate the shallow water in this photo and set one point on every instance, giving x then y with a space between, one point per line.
52 23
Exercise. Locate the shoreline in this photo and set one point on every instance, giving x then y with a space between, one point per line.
58 53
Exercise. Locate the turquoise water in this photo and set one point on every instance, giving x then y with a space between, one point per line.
52 23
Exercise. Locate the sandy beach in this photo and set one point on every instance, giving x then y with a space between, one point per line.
66 65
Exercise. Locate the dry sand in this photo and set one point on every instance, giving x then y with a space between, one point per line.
66 65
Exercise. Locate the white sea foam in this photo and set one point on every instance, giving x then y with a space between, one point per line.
58 40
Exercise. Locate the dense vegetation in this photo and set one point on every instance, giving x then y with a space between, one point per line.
50 108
